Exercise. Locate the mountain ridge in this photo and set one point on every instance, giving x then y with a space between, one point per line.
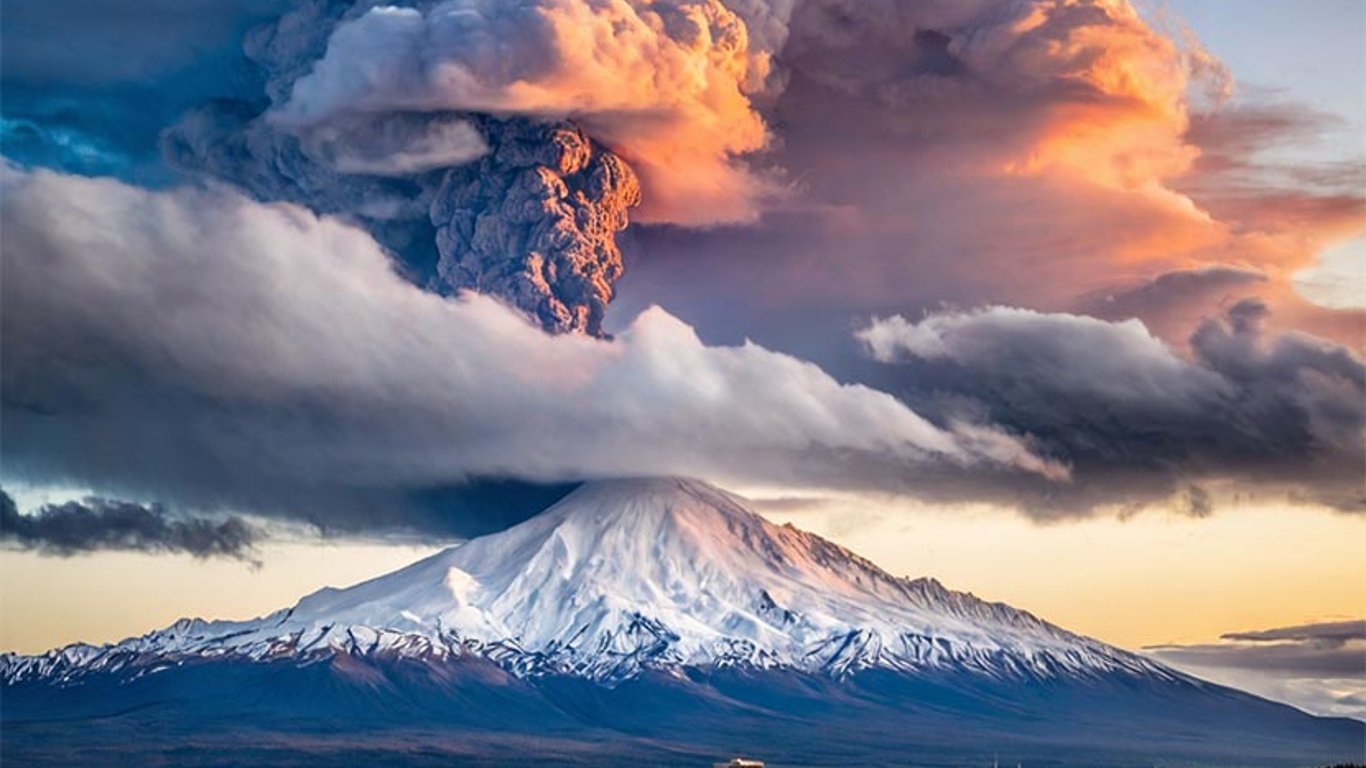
626 575
638 622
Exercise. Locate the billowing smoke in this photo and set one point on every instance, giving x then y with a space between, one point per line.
535 222
496 145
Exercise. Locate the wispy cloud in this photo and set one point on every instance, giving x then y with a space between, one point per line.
96 524
1318 667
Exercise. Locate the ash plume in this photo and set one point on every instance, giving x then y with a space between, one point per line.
535 222
486 144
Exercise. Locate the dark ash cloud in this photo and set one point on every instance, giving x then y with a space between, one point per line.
96 524
113 41
1134 418
535 221
378 112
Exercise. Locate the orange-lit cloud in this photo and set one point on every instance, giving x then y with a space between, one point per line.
1034 153
668 85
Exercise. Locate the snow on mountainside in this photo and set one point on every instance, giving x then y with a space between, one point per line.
623 576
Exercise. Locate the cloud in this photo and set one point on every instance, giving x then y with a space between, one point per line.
665 84
533 222
546 239
1336 280
1034 154
1133 417
106 524
1064 144
197 347
375 112
1332 633
1317 667
1173 303
1235 142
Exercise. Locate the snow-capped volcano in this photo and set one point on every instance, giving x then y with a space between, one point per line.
628 575
640 622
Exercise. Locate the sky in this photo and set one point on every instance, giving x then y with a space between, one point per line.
1059 301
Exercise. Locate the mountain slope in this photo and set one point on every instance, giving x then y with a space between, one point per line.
627 575
638 622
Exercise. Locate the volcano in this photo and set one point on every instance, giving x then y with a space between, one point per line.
639 622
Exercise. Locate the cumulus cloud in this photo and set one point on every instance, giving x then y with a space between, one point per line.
665 84
1134 417
222 352
1033 153
1317 667
1105 94
107 524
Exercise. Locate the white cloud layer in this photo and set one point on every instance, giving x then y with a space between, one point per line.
205 347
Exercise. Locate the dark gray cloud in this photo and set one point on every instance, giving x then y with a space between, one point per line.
1312 660
95 524
1331 633
524 210
1135 418
1172 303
535 221
1319 667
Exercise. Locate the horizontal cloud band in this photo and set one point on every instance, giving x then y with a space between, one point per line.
1314 666
1285 411
199 347
106 524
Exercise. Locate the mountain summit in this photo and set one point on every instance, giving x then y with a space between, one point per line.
637 621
